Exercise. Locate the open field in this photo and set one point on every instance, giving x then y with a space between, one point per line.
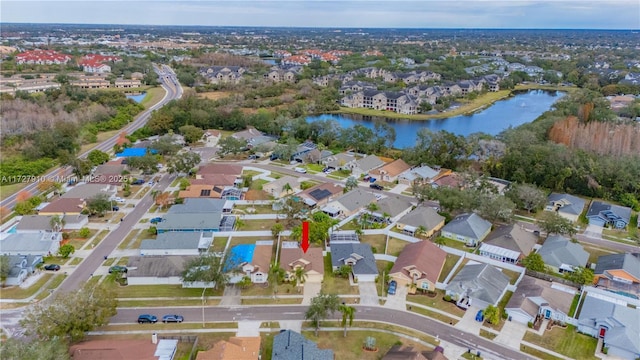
215 95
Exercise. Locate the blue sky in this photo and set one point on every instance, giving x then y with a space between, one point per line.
529 14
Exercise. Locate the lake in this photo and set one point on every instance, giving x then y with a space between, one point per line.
519 109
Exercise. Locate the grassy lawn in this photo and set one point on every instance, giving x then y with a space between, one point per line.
253 209
154 95
16 292
250 173
257 184
567 342
10 189
596 252
236 240
259 290
335 285
101 235
166 303
434 315
513 275
257 225
377 242
458 245
277 300
55 260
150 291
436 302
351 346
76 261
219 243
351 225
57 280
395 246
538 354
130 237
449 263
487 334
470 356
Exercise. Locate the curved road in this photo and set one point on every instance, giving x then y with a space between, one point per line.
173 91
423 324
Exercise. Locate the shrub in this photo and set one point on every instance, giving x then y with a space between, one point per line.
447 298
84 232
66 236
530 325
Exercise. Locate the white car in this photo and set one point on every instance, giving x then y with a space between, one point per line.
300 170
119 199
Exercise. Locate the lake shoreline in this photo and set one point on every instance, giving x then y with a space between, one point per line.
481 103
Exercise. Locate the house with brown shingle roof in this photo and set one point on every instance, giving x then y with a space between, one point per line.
236 348
292 257
321 194
219 169
122 349
419 263
64 206
258 267
390 172
201 190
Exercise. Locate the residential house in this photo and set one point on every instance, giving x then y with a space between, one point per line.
418 264
201 191
198 215
292 257
508 243
562 255
43 244
340 161
349 203
282 187
469 228
365 165
290 345
156 269
390 172
478 285
278 75
63 207
20 267
537 297
222 74
401 352
219 169
41 57
356 255
43 223
303 150
619 273
568 206
617 324
126 83
391 208
89 191
164 349
253 137
321 194
109 173
423 220
252 260
316 156
211 137
605 214
421 174
236 348
177 243
449 179
90 82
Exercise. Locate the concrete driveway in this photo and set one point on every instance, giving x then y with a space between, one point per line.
311 290
231 296
469 323
399 300
511 334
368 293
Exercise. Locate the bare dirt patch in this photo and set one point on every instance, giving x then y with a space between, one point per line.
215 95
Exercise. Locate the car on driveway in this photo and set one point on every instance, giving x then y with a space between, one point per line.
376 187
115 208
117 269
52 267
480 316
155 220
300 170
392 287
172 318
119 199
147 318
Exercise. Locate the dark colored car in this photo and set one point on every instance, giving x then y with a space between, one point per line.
115 208
155 220
172 318
392 287
138 182
52 267
147 318
376 187
480 316
117 269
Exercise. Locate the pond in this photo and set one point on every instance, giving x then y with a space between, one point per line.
138 97
519 109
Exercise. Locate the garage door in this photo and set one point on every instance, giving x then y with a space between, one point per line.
520 317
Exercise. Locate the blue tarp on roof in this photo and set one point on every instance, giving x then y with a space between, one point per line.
133 152
240 254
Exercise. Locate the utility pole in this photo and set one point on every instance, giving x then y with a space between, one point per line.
203 302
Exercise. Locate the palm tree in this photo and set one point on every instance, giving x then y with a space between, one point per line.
300 276
348 313
57 223
440 241
420 231
239 223
286 188
276 274
321 307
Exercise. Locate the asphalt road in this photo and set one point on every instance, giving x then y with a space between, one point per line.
445 332
172 92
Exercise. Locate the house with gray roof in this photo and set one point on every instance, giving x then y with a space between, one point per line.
537 297
568 206
605 214
198 215
478 285
421 218
358 256
420 174
290 345
43 244
40 223
21 267
619 272
468 228
562 255
393 207
617 324
340 161
366 164
156 270
177 243
509 243
88 191
349 203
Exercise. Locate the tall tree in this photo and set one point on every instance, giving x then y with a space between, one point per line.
552 223
183 163
351 183
276 274
20 349
300 277
206 268
348 313
71 314
492 314
99 204
57 223
322 306
534 262
527 196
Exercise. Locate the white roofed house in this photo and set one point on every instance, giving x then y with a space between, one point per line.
349 203
20 267
510 243
43 244
478 285
365 165
177 243
423 219
419 174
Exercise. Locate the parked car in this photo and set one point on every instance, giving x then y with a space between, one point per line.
117 269
52 267
300 170
366 178
392 287
376 187
138 182
253 157
119 199
155 220
115 208
480 316
147 318
172 318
